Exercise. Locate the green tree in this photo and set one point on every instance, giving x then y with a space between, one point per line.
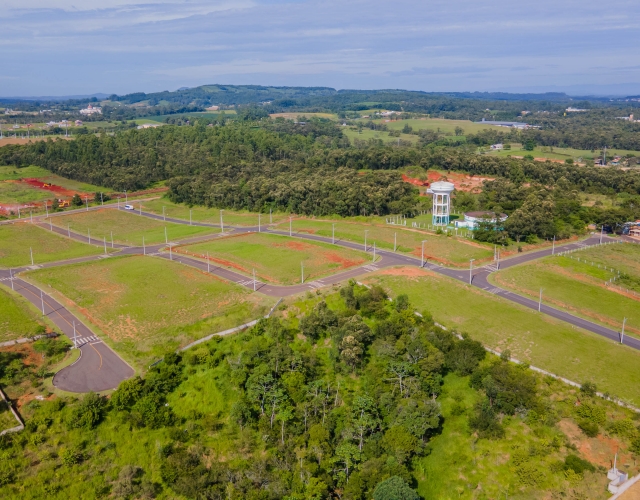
394 488
76 201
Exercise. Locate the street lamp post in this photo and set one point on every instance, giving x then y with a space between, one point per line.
365 239
540 301
422 259
624 322
471 270
333 233
221 222
289 225
259 228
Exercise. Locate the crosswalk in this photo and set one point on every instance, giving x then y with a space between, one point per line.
491 268
315 284
249 283
79 342
495 291
370 268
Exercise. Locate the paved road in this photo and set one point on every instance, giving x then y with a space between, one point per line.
99 368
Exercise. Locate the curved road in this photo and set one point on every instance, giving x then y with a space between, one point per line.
99 368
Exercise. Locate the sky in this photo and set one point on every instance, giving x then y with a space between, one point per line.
69 47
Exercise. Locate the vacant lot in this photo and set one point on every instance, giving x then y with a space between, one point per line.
442 249
277 259
148 306
532 337
17 317
365 134
208 215
14 193
127 227
33 172
575 286
16 239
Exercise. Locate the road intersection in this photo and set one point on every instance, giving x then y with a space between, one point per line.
99 368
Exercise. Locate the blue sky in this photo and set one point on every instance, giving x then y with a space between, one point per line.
62 47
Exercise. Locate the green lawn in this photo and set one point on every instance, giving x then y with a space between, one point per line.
277 259
16 239
147 306
365 134
445 250
537 339
128 227
17 317
17 193
209 215
575 286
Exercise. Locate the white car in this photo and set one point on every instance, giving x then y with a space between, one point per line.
128 207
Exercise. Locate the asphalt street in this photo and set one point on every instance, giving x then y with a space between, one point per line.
99 368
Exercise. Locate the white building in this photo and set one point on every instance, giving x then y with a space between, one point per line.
472 219
90 110
497 147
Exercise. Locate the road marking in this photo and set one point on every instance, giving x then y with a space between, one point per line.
370 268
98 355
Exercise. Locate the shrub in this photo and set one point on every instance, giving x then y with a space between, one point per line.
590 428
588 388
592 413
622 427
577 464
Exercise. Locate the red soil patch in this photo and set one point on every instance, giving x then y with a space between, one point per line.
462 182
414 181
599 450
343 261
45 186
222 262
295 245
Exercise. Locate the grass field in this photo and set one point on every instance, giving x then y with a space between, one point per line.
277 259
209 215
147 306
555 153
17 318
441 124
17 238
294 116
127 227
443 249
365 134
537 339
577 287
17 193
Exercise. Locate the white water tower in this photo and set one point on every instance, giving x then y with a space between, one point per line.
441 192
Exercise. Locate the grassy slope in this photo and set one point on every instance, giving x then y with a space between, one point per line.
367 134
12 193
209 215
439 247
127 227
7 173
277 259
16 239
17 319
571 285
537 339
148 306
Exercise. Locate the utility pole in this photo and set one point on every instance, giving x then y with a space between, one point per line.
471 270
254 279
365 239
31 252
208 269
624 322
86 200
290 226
144 249
46 207
89 234
190 213
126 198
11 278
333 234
394 241
553 249
302 271
101 199
164 217
42 302
166 240
31 215
540 301
170 255
601 231
259 229
75 344
105 244
221 224
111 239
422 259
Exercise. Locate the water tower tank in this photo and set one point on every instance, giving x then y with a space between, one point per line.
441 191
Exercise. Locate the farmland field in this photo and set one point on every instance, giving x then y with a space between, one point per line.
443 249
555 153
531 337
208 215
277 259
17 238
127 227
580 287
444 125
148 306
367 134
17 319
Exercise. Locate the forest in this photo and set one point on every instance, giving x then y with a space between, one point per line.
311 168
343 402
